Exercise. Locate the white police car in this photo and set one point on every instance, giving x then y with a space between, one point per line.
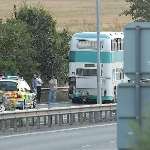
17 94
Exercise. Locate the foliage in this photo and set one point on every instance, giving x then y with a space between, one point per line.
51 46
15 48
61 56
29 43
141 136
141 130
138 10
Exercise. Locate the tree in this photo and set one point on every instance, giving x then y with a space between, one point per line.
141 134
15 48
51 46
138 10
61 47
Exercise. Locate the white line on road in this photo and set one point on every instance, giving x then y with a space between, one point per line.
85 147
54 131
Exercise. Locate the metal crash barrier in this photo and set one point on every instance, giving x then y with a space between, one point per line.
27 120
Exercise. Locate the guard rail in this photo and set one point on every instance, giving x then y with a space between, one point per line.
63 88
31 119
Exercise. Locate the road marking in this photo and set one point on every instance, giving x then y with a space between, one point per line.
55 131
112 141
85 147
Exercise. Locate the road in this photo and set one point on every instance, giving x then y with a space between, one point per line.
58 104
96 137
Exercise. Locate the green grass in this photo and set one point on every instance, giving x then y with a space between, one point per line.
76 15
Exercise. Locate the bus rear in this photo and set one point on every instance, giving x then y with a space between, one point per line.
83 67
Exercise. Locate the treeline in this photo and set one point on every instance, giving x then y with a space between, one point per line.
30 43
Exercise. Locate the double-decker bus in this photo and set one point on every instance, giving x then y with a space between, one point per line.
83 66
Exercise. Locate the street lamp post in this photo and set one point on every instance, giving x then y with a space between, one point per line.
99 98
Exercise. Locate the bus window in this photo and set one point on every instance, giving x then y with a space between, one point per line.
86 72
86 44
105 92
113 74
122 44
90 72
79 71
89 65
89 44
117 44
122 75
113 45
119 74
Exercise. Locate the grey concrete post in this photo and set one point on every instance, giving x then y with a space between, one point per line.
111 115
101 115
15 124
45 120
3 125
106 117
38 122
68 118
27 123
72 118
96 116
49 121
80 117
20 122
91 117
60 119
33 121
56 119
85 117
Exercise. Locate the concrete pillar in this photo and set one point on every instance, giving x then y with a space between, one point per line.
72 119
96 116
80 117
38 122
60 119
50 121
91 117
56 119
45 120
27 124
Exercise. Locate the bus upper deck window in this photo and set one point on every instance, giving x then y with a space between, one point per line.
113 45
101 44
116 44
121 47
119 43
86 44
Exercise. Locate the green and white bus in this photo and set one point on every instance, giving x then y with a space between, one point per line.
83 66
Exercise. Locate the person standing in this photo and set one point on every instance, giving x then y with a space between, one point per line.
39 83
52 90
34 84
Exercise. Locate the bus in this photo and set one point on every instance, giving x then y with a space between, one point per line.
83 66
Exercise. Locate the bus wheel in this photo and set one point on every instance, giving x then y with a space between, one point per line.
84 100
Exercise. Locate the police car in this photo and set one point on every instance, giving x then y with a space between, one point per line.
16 94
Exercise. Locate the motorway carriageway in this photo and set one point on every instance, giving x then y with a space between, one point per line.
94 137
